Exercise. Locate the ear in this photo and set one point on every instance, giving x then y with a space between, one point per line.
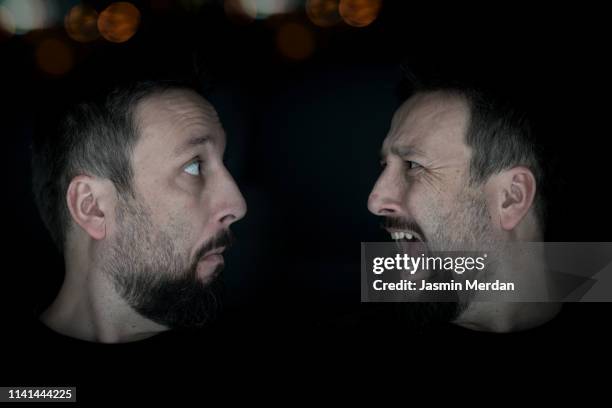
88 202
516 189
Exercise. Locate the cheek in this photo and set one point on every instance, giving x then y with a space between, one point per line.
188 222
195 212
169 215
426 203
178 233
432 215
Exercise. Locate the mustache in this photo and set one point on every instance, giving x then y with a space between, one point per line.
224 238
402 224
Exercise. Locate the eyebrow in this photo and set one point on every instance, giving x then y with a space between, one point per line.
191 143
404 151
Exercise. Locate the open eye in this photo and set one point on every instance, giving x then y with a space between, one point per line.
194 168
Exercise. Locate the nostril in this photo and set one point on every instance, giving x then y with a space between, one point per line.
377 205
228 218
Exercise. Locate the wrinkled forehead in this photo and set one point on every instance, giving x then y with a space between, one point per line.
434 122
177 113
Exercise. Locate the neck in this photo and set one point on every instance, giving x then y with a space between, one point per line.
522 264
89 308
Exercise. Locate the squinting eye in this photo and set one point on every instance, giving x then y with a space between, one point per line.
412 165
193 168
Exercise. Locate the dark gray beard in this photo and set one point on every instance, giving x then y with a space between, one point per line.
177 303
443 307
467 228
153 278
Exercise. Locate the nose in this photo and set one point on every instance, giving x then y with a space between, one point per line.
387 195
230 203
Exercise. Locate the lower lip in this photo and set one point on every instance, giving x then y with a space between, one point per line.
415 249
420 274
213 258
208 265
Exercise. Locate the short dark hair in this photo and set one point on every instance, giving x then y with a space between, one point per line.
97 138
499 133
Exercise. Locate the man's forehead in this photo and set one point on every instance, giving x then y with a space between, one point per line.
174 122
429 122
176 105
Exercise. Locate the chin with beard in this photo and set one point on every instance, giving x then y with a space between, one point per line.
464 228
420 316
149 272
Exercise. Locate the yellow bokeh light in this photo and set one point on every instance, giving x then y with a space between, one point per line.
119 22
54 56
295 41
323 13
81 23
359 13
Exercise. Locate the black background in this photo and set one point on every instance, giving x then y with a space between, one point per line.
303 140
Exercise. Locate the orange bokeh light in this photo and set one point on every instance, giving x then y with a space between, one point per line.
323 13
295 41
54 56
119 22
359 13
81 23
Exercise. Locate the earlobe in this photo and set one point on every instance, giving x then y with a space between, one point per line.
519 188
84 203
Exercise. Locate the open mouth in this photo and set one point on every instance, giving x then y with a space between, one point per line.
405 236
409 242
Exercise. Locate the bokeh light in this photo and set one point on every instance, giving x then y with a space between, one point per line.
244 11
295 41
266 8
54 56
81 23
259 9
359 13
240 11
7 22
119 22
24 16
323 13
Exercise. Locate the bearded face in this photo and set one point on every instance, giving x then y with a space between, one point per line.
155 276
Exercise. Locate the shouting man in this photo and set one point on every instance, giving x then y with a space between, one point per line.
461 171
